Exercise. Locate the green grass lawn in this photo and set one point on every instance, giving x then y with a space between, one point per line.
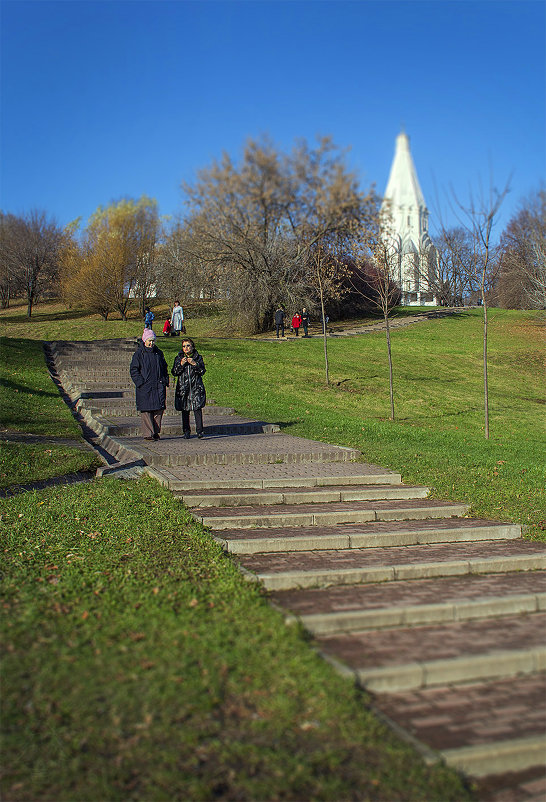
30 403
52 320
139 665
438 435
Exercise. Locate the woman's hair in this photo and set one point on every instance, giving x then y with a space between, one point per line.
188 340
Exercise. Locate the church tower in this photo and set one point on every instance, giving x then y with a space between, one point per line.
415 255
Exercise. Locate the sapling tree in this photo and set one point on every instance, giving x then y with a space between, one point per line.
376 275
479 216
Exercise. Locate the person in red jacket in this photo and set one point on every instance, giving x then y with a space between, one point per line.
296 323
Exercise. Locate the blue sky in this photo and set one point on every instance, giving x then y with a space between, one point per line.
116 98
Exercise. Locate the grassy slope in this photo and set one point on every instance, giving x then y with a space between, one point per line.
139 665
30 403
212 696
437 438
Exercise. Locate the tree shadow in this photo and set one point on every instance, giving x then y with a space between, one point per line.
20 388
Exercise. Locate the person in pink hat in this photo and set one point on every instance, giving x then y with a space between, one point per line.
150 375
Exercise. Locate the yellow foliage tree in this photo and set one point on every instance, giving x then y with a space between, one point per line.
115 259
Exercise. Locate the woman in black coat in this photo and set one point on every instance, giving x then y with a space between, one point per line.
150 374
190 391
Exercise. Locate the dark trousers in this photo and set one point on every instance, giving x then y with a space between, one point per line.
150 422
305 326
198 415
280 327
296 331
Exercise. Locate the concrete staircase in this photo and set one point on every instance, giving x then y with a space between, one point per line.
439 616
442 617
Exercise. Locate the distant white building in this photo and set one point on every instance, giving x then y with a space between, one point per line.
413 251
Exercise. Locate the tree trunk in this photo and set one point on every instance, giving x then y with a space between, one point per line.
391 384
324 338
485 380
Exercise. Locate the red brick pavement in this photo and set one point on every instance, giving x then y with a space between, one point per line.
395 555
335 506
446 717
412 592
522 786
392 647
413 529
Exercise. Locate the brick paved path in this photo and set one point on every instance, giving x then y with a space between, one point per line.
441 617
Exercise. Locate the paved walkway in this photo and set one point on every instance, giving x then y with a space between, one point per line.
438 616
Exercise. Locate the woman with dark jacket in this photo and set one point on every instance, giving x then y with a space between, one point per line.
150 374
190 391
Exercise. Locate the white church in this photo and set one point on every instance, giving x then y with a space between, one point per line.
415 257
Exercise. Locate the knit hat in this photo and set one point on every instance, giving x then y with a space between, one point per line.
148 334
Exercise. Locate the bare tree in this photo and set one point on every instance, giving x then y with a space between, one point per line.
375 277
253 228
522 280
455 271
29 247
479 217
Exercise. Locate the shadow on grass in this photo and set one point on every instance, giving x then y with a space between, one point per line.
20 388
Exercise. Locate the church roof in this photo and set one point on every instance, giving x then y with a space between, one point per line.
403 188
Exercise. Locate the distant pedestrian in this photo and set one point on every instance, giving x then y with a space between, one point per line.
149 318
150 375
279 321
305 321
177 319
296 323
190 392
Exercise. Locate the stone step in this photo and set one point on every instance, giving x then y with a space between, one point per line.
250 449
129 418
297 515
113 396
171 426
421 657
414 602
242 497
273 475
489 727
367 535
307 569
123 406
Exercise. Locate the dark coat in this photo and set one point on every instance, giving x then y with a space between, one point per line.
150 374
190 391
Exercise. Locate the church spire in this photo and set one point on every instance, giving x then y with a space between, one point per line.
406 205
403 189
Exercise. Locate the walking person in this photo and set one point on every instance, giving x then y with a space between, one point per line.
305 321
190 392
149 318
150 375
296 323
279 321
177 319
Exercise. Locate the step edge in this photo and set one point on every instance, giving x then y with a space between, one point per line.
313 578
421 674
497 757
353 620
